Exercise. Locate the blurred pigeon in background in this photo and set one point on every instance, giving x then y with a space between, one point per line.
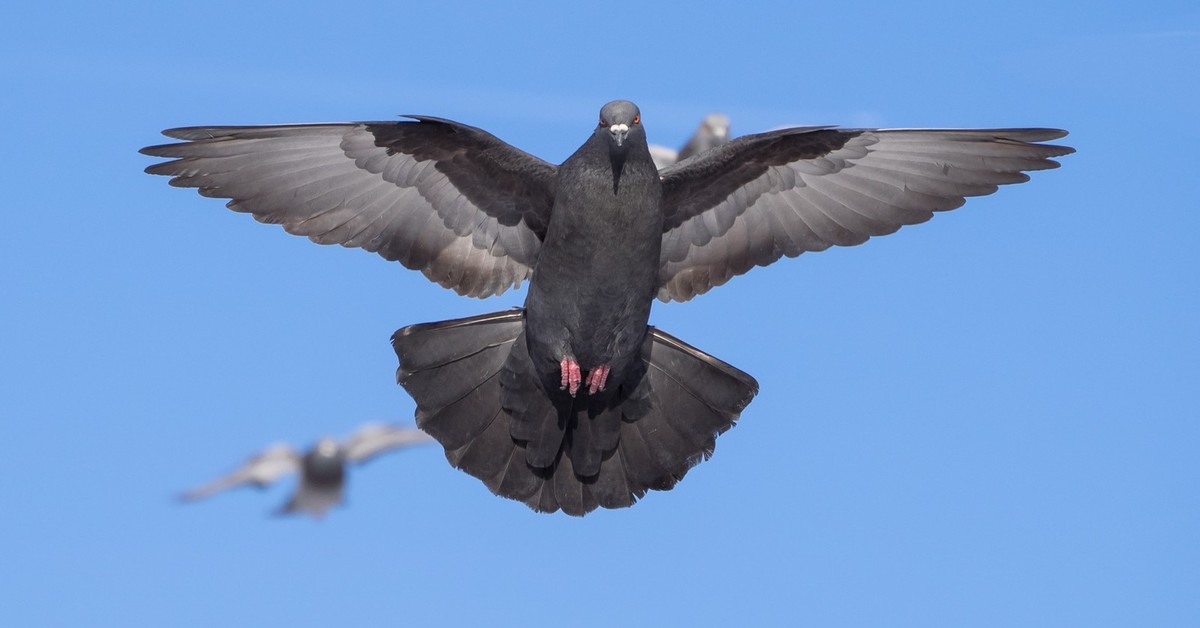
712 132
322 469
575 402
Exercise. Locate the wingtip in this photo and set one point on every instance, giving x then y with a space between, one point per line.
1049 135
157 150
1039 135
187 133
161 168
423 118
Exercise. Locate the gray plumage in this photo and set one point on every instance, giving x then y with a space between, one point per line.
575 402
713 131
322 468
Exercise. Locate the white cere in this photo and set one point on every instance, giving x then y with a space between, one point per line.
617 128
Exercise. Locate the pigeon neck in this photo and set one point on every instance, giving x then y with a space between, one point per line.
616 157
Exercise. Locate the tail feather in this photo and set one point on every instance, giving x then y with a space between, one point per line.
613 488
477 393
544 500
606 428
641 467
604 418
536 419
686 399
460 423
670 450
573 493
457 339
480 442
444 363
721 387
595 431
515 479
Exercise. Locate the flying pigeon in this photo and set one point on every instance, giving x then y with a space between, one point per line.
712 132
574 402
322 469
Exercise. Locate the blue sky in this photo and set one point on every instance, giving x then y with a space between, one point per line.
985 420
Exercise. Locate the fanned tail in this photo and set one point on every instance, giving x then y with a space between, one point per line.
477 394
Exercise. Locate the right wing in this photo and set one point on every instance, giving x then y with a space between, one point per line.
261 470
452 201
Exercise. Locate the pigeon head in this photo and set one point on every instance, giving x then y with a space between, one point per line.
717 124
619 119
327 448
325 464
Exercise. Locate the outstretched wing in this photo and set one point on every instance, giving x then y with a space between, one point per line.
374 439
261 470
449 200
760 197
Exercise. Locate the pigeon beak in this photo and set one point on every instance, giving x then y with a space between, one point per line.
619 131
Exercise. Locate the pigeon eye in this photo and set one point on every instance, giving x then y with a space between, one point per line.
603 122
637 119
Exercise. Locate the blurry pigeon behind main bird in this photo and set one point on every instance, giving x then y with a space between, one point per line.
574 402
712 132
322 468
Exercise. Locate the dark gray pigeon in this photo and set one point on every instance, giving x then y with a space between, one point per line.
322 469
574 402
712 132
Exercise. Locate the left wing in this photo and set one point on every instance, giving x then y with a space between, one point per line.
759 197
374 439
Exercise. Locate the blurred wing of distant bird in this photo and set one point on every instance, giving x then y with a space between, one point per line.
452 201
662 156
374 439
760 197
260 470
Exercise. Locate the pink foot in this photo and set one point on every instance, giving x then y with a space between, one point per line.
570 375
596 378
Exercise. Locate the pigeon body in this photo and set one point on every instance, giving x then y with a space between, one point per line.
322 480
597 271
322 469
574 402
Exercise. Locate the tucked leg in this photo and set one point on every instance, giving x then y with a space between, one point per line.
597 378
571 377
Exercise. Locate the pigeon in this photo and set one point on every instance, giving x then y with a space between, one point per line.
322 469
574 402
712 132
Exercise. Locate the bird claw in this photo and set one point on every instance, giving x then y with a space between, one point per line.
571 377
597 378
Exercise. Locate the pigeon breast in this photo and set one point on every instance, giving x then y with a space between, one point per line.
597 273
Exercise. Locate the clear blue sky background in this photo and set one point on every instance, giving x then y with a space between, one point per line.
986 420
